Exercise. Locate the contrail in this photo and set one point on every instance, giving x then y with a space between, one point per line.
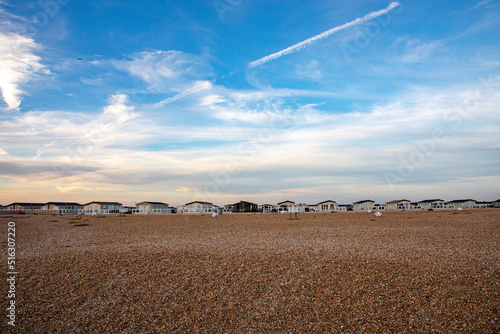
325 34
196 88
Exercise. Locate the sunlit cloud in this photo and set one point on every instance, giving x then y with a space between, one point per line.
184 189
68 189
327 144
18 64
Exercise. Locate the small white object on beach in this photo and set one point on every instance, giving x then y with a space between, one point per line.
215 214
369 211
460 209
378 214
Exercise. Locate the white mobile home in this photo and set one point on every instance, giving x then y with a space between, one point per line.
400 204
363 205
285 205
152 208
328 205
300 207
97 208
198 207
18 206
462 203
68 208
432 204
265 207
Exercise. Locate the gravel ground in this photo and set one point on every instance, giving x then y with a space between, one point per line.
407 272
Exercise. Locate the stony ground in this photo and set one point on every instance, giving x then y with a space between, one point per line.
408 272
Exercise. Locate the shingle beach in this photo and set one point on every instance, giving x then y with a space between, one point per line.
406 272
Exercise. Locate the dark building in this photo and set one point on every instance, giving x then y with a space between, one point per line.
244 206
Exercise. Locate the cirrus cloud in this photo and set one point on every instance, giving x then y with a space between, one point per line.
166 71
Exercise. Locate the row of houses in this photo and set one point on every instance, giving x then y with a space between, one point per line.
95 207
367 205
364 205
146 207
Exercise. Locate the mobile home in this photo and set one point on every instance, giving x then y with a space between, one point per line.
19 206
364 205
462 203
266 207
93 208
244 206
400 204
328 205
432 204
69 208
152 208
198 207
285 205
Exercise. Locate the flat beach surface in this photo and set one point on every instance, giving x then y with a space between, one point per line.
408 272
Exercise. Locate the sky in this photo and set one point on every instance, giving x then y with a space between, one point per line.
263 101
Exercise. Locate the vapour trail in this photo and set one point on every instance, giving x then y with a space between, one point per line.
307 42
196 88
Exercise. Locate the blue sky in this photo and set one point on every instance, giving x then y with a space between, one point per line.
231 100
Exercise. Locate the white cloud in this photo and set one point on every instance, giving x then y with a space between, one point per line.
209 100
117 111
482 3
88 81
310 70
417 51
281 145
166 71
74 135
18 64
265 108
272 93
